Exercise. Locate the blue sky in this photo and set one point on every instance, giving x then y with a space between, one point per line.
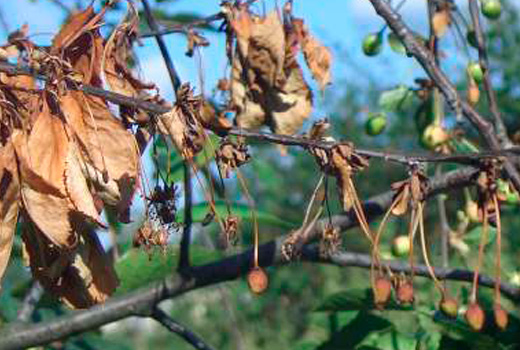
340 24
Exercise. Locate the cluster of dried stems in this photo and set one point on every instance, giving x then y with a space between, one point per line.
66 157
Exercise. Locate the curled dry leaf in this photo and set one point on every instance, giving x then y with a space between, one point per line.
183 123
317 56
230 156
9 202
412 190
441 21
117 56
80 277
341 162
267 84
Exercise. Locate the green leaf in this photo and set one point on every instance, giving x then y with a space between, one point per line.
356 331
240 210
138 268
397 99
473 236
396 44
463 145
355 299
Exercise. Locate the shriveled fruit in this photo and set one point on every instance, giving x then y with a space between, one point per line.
401 246
433 136
475 71
449 307
475 317
382 291
257 280
372 44
375 124
491 9
501 317
405 293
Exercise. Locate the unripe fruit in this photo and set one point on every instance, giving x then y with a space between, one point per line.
449 307
257 280
475 71
433 136
375 124
401 246
405 293
491 9
372 44
501 317
475 317
382 292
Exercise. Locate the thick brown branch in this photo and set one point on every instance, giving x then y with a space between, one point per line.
141 302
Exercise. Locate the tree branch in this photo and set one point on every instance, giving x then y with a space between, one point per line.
427 61
177 328
30 302
140 303
484 63
122 100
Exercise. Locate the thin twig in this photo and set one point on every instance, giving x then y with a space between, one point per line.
184 256
174 77
484 63
183 28
179 329
444 224
156 109
30 301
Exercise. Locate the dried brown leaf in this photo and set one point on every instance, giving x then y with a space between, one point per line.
441 21
81 277
267 85
9 203
317 56
401 198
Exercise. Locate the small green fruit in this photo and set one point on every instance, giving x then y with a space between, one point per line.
401 246
474 69
375 124
433 136
491 9
372 44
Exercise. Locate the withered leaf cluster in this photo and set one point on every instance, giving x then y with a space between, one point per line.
267 84
341 162
410 191
64 157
